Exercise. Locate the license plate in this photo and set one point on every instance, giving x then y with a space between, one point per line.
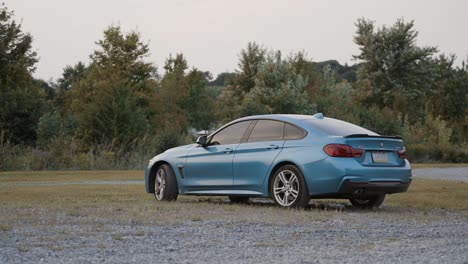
379 156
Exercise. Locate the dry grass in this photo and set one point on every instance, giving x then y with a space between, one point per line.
427 194
104 175
98 205
131 204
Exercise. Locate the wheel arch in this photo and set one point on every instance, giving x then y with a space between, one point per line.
152 174
275 168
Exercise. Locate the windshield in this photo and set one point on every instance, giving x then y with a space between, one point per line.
335 127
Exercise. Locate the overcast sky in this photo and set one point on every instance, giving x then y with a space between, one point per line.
210 33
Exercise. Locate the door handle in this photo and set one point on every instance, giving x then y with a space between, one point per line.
228 150
273 146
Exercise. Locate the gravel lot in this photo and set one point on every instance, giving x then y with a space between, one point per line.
387 235
454 174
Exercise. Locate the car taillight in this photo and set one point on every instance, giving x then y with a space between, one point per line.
402 153
341 150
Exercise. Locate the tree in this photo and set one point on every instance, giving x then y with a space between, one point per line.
21 102
172 92
394 72
223 79
124 55
112 98
70 76
115 118
304 67
198 105
449 98
250 61
184 102
278 89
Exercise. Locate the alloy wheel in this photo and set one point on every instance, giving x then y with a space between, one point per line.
160 184
286 187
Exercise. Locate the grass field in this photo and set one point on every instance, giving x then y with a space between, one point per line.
131 204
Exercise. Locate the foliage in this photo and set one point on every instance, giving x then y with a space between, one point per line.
277 90
110 102
21 101
250 61
117 111
116 118
223 79
183 97
395 72
198 105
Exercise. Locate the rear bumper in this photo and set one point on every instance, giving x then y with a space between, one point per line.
335 175
351 189
370 188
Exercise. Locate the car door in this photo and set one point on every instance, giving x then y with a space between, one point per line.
253 158
211 166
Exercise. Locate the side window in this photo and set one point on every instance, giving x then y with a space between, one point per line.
231 134
292 132
267 130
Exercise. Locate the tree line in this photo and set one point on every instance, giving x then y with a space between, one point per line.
119 109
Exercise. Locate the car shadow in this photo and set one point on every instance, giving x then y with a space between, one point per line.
314 205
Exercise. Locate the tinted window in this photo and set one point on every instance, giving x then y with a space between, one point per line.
336 127
231 134
267 130
292 132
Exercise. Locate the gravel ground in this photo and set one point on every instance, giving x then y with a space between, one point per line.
387 235
455 174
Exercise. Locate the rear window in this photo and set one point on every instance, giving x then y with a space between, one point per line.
267 130
292 132
334 127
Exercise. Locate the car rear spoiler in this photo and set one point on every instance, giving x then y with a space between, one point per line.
371 136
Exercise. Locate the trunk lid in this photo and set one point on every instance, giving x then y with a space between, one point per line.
379 151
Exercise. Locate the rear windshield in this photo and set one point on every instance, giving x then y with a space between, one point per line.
334 127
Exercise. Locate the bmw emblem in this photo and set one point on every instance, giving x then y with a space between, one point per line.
381 144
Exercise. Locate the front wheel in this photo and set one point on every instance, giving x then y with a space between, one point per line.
368 203
289 188
165 184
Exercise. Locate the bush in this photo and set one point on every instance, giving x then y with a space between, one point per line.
437 153
70 153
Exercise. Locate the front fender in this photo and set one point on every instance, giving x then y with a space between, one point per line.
175 159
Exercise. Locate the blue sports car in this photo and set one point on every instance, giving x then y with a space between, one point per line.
290 158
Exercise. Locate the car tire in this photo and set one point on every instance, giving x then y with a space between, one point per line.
239 199
369 203
165 184
288 187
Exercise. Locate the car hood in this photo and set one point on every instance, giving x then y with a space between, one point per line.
176 152
179 148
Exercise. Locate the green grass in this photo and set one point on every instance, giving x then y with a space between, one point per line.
4 227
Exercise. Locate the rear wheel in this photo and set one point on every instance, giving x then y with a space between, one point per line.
370 202
165 184
239 199
289 188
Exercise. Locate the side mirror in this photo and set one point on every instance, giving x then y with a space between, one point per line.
201 140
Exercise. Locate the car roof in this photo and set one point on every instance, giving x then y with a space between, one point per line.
315 124
295 119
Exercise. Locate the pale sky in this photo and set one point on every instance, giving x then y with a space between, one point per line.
211 33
